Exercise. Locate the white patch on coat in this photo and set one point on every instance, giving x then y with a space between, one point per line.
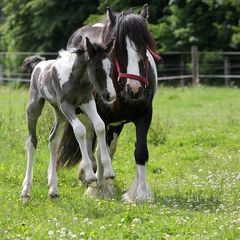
133 66
98 25
47 93
64 65
152 63
107 67
42 65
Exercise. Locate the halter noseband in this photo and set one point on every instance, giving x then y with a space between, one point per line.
136 77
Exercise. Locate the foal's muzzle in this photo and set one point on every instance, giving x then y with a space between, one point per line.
108 96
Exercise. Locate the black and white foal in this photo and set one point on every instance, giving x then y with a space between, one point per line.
67 83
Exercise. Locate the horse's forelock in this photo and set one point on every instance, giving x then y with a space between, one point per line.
135 27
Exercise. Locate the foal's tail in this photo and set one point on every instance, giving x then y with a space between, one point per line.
30 62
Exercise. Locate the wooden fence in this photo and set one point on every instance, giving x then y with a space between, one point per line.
190 67
195 66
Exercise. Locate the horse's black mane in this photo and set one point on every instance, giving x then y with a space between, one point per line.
135 27
98 47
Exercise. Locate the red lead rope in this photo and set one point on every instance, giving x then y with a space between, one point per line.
133 76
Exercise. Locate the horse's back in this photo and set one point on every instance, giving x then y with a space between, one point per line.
92 32
41 79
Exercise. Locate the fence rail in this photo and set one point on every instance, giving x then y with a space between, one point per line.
186 67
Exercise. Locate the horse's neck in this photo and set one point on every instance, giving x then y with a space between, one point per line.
64 65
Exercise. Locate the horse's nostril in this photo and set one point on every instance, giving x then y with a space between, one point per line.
129 89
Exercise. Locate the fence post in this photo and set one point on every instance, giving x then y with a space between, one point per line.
226 70
182 81
195 65
1 73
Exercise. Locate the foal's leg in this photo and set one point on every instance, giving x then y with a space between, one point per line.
99 127
86 171
139 190
54 141
33 112
105 189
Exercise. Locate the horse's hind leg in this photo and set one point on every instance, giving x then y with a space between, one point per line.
33 112
54 141
86 171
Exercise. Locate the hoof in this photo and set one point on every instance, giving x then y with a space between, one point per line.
92 184
138 196
54 195
89 179
109 180
106 191
109 175
25 197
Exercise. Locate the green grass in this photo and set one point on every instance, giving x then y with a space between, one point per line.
193 170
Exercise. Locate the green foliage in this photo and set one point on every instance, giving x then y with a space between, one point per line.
212 25
176 25
194 174
39 26
42 25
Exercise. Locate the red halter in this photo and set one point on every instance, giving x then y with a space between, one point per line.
136 77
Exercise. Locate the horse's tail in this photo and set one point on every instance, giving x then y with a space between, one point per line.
30 62
69 153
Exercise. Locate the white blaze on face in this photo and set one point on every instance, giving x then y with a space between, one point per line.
107 68
133 66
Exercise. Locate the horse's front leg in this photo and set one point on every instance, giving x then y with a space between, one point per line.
140 190
91 111
104 188
86 171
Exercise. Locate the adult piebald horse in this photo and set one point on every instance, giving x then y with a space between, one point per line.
135 79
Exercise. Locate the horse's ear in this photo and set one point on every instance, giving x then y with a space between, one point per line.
110 45
111 16
78 51
90 48
144 12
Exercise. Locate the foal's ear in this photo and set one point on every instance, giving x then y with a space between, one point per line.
90 48
111 16
110 45
144 12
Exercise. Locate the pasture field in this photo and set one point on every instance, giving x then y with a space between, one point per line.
193 170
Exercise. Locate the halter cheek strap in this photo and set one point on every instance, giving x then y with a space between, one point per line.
132 76
144 80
